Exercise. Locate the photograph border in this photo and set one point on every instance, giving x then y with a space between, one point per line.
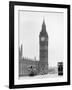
11 43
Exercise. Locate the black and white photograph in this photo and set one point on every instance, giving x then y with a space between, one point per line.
40 44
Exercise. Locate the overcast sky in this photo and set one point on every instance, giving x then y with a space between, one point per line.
30 25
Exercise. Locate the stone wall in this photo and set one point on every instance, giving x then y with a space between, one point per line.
24 66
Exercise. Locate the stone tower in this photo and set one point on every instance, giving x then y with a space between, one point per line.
43 52
20 52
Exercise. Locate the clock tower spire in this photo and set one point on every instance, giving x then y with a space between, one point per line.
43 52
43 26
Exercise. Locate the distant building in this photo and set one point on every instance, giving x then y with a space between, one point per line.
38 66
24 66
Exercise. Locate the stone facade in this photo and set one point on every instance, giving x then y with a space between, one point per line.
24 67
43 43
25 64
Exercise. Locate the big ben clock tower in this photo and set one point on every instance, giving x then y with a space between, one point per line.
43 51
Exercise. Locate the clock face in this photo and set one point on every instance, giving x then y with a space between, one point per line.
42 38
